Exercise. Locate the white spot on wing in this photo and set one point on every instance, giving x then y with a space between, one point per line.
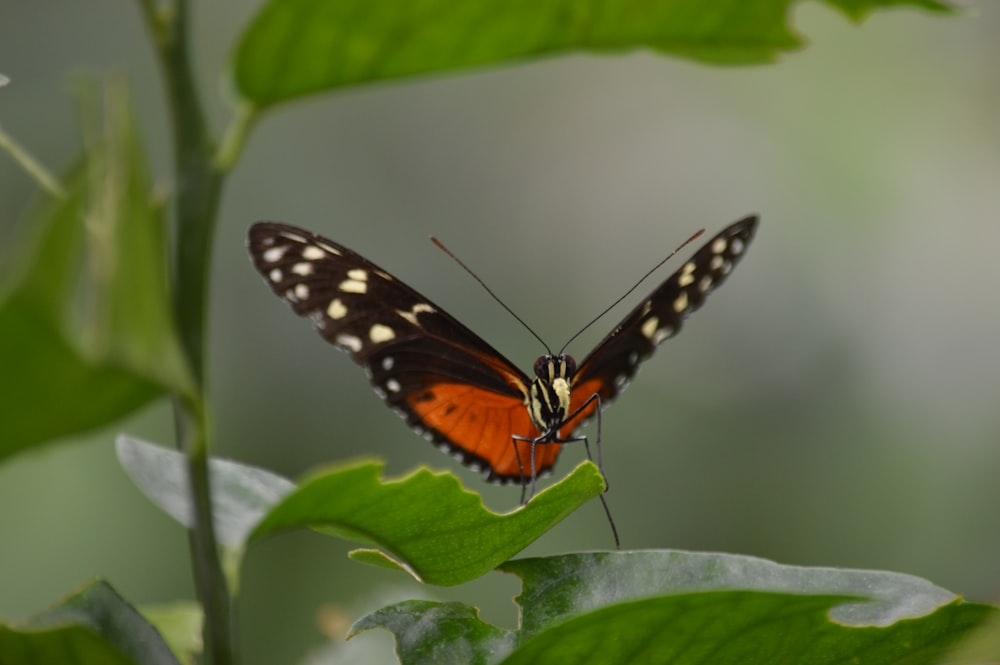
353 286
304 269
381 393
649 327
294 237
736 247
275 253
349 342
330 248
633 358
336 309
393 385
358 274
419 308
380 333
705 284
681 302
275 275
387 363
719 245
687 274
301 291
312 253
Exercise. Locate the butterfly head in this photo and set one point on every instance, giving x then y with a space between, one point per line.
549 395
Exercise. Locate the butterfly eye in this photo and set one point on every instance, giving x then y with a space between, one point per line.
570 365
543 366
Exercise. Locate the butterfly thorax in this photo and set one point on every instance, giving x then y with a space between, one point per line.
549 394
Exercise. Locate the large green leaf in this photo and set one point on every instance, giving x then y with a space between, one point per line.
94 626
425 523
299 47
86 319
688 608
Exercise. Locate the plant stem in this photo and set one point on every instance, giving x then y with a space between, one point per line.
32 166
199 186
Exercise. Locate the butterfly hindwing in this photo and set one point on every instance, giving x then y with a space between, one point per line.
615 360
443 379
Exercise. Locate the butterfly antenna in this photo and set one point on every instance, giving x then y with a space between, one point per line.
490 291
634 287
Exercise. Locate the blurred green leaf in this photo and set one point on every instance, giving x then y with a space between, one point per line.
981 646
742 627
433 632
858 10
426 522
86 323
688 608
241 494
94 626
299 47
572 582
180 624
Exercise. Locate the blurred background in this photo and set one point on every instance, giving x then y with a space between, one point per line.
835 404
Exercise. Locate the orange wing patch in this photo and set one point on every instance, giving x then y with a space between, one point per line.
481 423
580 394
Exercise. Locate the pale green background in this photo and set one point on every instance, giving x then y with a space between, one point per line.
836 404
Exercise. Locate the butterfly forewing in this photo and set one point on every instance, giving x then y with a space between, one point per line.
612 364
446 381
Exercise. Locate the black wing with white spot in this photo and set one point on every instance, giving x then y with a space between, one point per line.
442 378
403 339
613 363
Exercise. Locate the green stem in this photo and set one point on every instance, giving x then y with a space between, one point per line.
32 166
199 187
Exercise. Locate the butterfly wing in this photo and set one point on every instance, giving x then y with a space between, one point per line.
443 379
608 369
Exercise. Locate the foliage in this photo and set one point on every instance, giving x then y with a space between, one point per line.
102 316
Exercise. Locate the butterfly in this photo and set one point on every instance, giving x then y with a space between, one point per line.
448 383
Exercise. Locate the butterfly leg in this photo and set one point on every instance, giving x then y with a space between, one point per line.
600 461
586 442
520 466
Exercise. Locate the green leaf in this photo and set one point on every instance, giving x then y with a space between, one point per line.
426 522
858 10
450 633
180 624
94 626
86 324
241 494
741 627
299 47
688 608
569 583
